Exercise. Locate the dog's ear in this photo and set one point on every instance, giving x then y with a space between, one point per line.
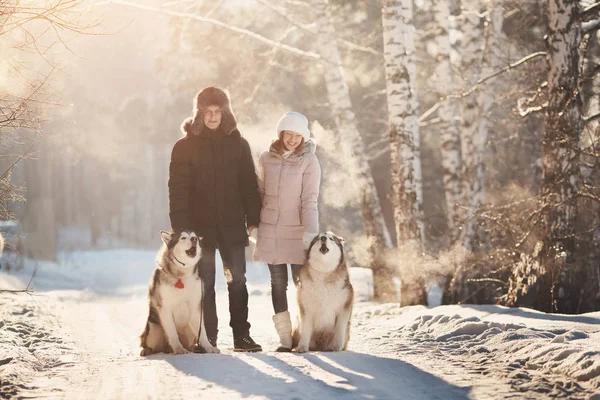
165 236
341 240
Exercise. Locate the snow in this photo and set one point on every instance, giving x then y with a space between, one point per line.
77 337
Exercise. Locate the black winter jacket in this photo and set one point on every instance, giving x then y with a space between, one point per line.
213 187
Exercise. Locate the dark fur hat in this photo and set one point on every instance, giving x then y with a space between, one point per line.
210 96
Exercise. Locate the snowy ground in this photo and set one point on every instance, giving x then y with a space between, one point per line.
78 338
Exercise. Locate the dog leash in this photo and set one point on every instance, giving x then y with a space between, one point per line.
201 312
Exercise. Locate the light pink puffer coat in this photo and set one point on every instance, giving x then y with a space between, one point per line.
289 188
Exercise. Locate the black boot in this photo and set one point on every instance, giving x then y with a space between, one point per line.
245 343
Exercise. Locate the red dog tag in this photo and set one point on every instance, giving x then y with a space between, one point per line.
179 284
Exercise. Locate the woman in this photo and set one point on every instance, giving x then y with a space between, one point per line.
289 176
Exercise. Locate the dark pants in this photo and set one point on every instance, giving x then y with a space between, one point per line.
279 282
234 267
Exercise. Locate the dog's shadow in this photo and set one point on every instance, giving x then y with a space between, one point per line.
314 375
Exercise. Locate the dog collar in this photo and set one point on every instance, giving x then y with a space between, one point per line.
179 284
178 260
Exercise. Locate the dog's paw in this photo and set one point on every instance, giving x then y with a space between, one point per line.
213 350
302 348
180 350
337 346
145 352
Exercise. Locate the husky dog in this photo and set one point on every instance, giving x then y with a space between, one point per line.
325 297
175 297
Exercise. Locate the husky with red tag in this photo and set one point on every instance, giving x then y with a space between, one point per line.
175 297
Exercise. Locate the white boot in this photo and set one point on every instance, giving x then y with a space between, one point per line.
283 325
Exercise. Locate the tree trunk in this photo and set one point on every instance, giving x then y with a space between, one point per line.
354 151
481 59
561 174
39 222
472 48
448 111
399 48
398 43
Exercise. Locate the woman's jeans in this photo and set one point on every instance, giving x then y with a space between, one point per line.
279 282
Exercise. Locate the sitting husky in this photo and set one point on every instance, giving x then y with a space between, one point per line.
175 296
325 297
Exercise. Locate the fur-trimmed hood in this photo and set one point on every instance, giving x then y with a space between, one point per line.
208 97
310 147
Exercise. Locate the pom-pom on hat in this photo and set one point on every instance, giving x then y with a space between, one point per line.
295 122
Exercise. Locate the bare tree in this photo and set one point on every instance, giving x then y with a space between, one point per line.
398 40
399 49
31 34
354 151
471 56
561 172
448 114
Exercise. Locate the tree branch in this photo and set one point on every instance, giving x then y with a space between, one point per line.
479 82
590 11
218 23
22 156
591 118
26 290
503 70
590 26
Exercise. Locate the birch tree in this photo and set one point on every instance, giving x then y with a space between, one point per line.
561 173
471 53
353 149
448 113
407 198
479 58
399 48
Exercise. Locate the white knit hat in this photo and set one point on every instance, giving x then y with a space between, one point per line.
295 122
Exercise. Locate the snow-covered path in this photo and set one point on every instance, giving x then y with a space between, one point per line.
108 366
94 308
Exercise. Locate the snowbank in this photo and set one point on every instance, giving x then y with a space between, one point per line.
28 343
552 354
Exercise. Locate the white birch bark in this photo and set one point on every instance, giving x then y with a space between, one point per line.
471 69
398 42
561 174
448 113
353 149
407 192
480 58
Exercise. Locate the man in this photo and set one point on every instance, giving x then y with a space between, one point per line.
213 190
